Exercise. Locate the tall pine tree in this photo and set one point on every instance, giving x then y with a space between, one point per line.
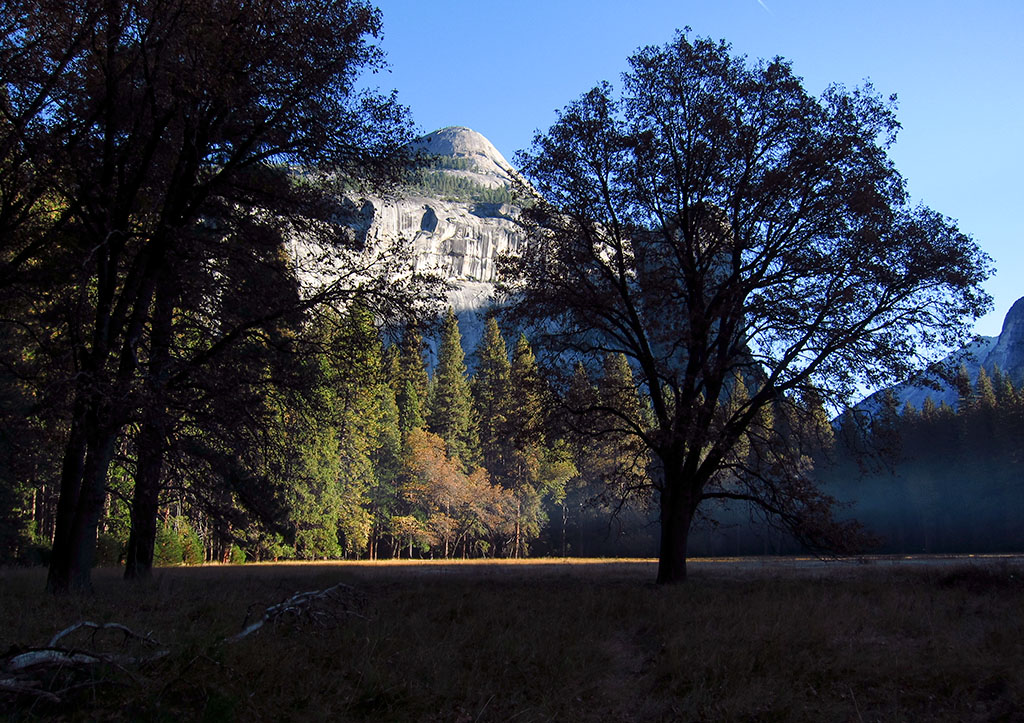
491 396
450 407
410 382
621 458
526 438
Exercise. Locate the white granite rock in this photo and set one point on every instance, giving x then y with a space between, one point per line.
461 240
1005 352
462 142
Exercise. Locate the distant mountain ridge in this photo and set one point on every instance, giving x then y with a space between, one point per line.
1004 352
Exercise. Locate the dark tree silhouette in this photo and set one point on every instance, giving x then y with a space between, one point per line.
713 222
124 124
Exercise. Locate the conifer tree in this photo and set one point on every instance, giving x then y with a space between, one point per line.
997 379
411 366
817 425
450 405
964 389
929 410
1006 395
526 417
622 457
410 414
360 423
491 395
410 382
573 425
580 400
526 438
984 391
308 467
383 496
885 427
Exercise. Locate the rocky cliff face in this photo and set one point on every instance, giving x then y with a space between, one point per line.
456 215
459 239
1008 353
1005 351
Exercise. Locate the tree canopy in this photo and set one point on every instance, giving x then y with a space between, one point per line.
713 222
156 160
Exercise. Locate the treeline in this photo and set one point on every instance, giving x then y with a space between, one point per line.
939 479
430 181
322 440
328 443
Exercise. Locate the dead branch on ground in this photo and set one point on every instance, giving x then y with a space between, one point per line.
52 672
47 673
317 607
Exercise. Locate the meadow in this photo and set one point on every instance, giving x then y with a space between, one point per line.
749 639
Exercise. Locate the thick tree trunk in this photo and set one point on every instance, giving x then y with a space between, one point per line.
72 468
676 516
83 489
95 425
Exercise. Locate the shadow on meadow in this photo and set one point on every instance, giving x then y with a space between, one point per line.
537 641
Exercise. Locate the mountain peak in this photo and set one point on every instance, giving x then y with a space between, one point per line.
1008 354
1005 352
462 142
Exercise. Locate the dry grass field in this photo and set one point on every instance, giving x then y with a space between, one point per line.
539 641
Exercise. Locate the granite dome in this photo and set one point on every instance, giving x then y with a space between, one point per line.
462 142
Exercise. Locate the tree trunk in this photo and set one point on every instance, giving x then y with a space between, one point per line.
152 436
565 517
83 488
676 516
95 424
519 507
72 467
145 498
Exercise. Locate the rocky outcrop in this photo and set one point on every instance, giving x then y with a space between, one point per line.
455 215
450 217
1008 353
485 164
1004 352
460 240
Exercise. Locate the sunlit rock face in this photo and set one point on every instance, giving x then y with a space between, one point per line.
1008 353
487 166
458 219
459 239
1005 352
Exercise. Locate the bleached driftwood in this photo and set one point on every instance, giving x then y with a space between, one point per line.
27 687
52 655
96 627
319 607
50 673
27 670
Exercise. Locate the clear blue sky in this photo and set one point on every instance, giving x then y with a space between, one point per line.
503 68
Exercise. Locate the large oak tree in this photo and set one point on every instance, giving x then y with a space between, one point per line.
752 251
